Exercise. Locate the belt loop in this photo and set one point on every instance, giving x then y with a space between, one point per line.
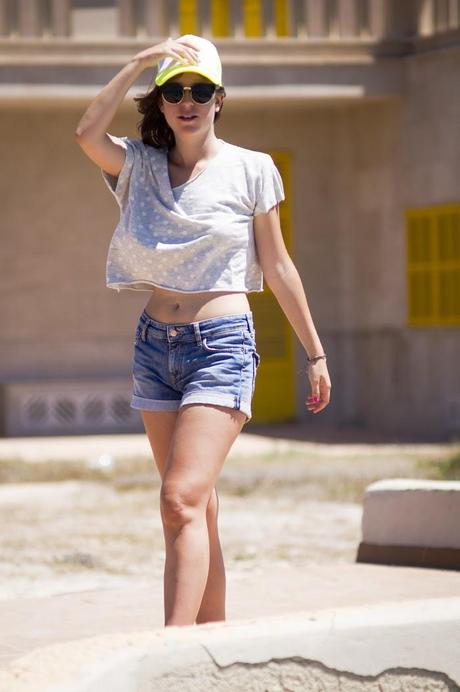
196 327
144 331
248 322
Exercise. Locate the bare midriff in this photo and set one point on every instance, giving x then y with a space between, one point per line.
169 306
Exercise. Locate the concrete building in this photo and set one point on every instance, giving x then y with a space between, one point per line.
358 102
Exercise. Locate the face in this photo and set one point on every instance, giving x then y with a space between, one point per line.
203 112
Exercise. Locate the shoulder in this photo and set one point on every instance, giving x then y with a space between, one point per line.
139 147
248 154
257 164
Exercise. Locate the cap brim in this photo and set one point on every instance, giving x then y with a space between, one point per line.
162 78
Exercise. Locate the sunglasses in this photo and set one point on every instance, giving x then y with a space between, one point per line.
201 92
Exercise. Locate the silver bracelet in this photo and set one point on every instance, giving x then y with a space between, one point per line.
315 358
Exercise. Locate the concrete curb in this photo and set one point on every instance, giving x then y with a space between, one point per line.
409 644
411 521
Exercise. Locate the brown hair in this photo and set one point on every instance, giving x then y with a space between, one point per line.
153 127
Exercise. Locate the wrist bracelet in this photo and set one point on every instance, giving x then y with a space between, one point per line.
315 358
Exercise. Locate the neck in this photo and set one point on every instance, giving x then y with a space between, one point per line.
188 151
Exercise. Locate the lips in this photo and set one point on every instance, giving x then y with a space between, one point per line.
186 117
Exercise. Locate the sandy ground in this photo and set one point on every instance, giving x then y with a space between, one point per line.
95 522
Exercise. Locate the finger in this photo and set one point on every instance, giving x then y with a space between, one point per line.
188 45
188 55
181 56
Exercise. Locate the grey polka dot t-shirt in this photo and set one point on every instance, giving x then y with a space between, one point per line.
194 237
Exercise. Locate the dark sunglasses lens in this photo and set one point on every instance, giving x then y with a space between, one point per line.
172 93
202 93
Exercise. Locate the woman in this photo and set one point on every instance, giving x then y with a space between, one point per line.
199 223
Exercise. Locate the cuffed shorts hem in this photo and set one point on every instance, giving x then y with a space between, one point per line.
155 404
216 399
139 402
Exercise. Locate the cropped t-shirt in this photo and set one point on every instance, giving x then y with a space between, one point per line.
197 236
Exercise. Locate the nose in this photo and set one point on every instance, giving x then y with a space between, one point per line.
187 95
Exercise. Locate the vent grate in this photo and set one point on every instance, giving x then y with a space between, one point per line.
70 407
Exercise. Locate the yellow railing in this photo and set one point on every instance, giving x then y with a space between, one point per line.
303 19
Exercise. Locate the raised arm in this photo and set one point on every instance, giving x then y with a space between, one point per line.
91 132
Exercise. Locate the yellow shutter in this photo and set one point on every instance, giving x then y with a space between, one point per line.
220 21
281 18
188 13
274 398
433 265
252 18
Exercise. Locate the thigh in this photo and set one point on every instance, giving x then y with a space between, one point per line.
203 435
159 427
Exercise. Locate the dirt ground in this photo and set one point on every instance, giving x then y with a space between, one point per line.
69 526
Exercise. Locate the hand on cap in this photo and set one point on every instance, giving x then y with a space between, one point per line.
182 51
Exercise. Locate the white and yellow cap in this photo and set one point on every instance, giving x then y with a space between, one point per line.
208 64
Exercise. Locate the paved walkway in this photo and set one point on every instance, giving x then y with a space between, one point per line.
28 624
280 438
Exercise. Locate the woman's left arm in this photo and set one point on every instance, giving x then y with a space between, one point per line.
284 281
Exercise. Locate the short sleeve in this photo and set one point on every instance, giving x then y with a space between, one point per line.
269 186
119 186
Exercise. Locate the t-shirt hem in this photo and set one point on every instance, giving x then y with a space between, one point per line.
136 287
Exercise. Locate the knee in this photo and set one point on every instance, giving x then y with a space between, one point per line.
177 506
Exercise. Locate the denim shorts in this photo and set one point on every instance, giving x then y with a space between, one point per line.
212 361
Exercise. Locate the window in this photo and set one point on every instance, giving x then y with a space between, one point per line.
433 261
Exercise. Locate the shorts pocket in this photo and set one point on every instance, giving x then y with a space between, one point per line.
224 342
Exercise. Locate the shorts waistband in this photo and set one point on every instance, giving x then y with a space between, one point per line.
169 330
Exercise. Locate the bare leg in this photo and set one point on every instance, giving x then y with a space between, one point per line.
159 426
202 438
212 606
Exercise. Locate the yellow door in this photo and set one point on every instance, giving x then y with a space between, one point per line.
274 398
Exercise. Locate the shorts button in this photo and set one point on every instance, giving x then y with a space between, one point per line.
173 332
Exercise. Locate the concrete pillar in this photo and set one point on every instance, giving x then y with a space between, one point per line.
204 18
236 19
5 28
268 19
426 18
156 18
316 18
60 17
348 18
29 18
126 18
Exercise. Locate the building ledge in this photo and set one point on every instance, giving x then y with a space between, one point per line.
233 51
246 94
